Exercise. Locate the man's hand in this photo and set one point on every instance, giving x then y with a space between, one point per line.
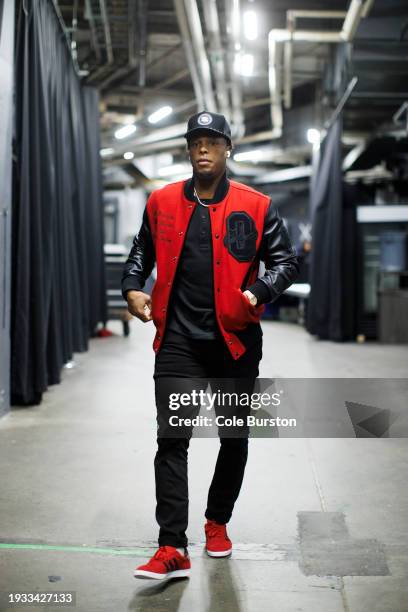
139 305
251 297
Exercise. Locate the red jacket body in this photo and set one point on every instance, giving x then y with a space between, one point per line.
240 224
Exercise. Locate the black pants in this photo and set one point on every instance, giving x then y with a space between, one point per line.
182 357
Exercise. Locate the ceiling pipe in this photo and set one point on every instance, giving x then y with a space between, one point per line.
240 169
275 85
90 17
352 19
288 174
66 36
282 36
277 38
177 76
291 17
168 133
188 50
142 21
106 29
153 147
132 34
121 73
258 137
197 38
287 73
108 65
233 20
216 55
367 8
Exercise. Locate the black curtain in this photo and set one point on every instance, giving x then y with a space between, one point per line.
332 304
58 282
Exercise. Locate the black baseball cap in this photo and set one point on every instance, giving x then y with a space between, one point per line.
210 122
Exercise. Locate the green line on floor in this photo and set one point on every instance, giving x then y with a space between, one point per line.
133 552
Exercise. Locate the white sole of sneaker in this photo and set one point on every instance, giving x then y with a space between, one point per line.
153 576
223 553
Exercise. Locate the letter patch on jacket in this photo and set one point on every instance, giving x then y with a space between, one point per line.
241 236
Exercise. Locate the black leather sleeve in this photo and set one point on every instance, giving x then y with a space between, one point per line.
141 259
279 255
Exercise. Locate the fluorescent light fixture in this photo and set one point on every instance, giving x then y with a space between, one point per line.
125 131
106 152
251 156
247 64
250 25
174 169
160 114
128 155
313 136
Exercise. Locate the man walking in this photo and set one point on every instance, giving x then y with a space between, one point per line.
207 236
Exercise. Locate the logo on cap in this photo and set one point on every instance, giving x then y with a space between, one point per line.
204 119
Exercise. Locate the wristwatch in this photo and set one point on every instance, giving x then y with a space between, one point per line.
251 298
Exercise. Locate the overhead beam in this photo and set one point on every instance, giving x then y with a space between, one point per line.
142 20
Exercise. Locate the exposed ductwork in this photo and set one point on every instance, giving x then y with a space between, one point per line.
199 64
103 16
233 19
188 49
197 38
216 54
280 51
190 27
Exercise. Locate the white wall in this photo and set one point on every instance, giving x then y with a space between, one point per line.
131 206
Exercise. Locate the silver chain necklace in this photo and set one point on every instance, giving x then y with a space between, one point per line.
198 199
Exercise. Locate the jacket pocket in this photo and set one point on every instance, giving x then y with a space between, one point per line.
157 312
238 312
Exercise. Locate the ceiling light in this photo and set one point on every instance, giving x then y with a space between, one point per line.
160 114
125 131
106 152
247 65
313 136
128 155
250 25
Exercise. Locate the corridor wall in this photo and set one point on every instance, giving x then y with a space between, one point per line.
6 100
58 283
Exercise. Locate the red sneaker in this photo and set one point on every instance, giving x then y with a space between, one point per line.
167 562
218 543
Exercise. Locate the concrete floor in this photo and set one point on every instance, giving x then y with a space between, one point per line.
320 525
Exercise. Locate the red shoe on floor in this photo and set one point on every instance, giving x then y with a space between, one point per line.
167 562
218 543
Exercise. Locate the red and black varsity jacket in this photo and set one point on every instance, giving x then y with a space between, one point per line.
245 228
